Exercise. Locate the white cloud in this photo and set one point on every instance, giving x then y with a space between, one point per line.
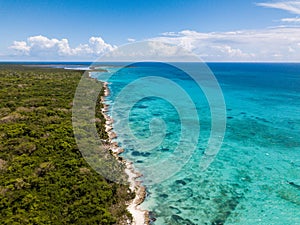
21 47
42 42
42 47
149 51
230 51
273 44
98 45
169 34
131 40
290 6
291 20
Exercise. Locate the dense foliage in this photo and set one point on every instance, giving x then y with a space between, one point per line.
43 177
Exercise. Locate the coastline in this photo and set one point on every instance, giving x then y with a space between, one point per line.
140 216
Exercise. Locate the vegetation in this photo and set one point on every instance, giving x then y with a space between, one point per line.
43 177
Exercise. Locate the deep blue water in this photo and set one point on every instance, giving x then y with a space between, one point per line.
255 177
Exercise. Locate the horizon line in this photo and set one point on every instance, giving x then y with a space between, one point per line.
53 61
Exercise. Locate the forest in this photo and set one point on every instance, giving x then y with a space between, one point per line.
43 177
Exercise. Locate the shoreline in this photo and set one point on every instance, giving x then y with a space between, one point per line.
140 216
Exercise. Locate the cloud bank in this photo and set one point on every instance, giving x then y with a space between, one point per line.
41 47
273 44
279 44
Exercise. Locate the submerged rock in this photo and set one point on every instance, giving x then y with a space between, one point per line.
182 182
177 220
146 154
225 209
218 222
142 106
175 210
294 185
135 153
152 217
163 195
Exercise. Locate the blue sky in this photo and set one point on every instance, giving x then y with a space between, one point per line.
62 30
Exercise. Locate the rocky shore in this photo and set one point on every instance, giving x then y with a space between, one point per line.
140 216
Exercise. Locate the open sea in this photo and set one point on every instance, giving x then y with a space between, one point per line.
254 178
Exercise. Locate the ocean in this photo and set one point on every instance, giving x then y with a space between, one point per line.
164 122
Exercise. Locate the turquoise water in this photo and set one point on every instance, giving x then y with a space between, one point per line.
255 177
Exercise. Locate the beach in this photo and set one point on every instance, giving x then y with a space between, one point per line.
140 216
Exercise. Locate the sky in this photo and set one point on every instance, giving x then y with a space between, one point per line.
215 30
